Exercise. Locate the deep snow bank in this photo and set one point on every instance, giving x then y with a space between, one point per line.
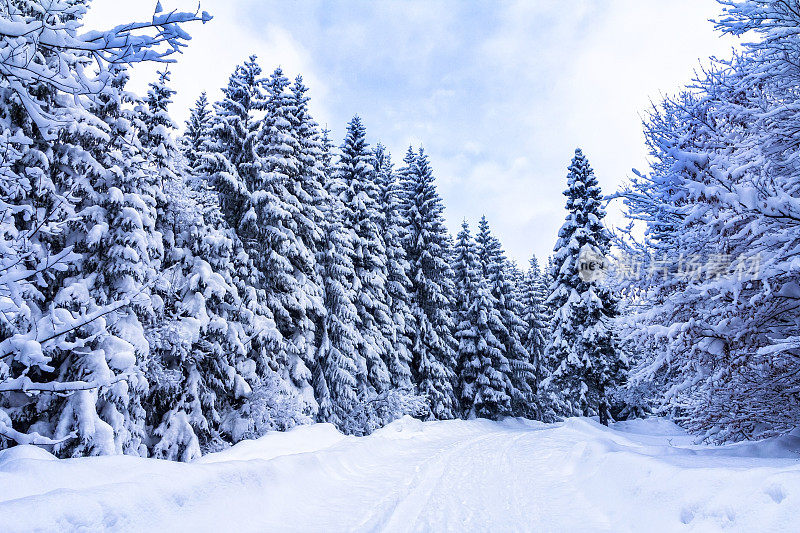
413 476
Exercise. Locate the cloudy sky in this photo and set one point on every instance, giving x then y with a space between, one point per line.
499 93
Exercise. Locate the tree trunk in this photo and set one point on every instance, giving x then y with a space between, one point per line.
603 412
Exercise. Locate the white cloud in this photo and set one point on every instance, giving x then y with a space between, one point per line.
498 93
573 74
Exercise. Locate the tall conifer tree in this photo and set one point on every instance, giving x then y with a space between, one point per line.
197 131
363 216
483 370
398 284
428 249
583 352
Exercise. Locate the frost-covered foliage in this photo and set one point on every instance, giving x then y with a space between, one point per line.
40 46
198 337
338 363
197 131
533 293
80 248
583 355
721 207
249 166
428 249
282 226
398 283
484 383
359 195
498 274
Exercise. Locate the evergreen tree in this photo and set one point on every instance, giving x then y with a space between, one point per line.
495 270
327 161
282 226
122 255
197 131
548 305
583 353
467 271
428 249
169 349
516 277
341 369
308 188
77 230
466 278
244 163
339 365
398 284
533 293
229 158
714 319
483 370
53 329
197 339
486 387
362 214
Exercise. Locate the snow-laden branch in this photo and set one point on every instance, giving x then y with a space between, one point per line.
25 384
12 344
44 47
29 438
126 43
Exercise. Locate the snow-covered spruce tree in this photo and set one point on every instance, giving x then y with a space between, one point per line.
583 352
123 251
156 130
487 388
282 227
398 284
363 216
483 370
428 249
199 346
721 205
196 338
196 134
338 363
523 376
308 187
467 272
234 163
229 158
466 277
495 270
262 398
516 277
548 279
533 293
69 336
338 360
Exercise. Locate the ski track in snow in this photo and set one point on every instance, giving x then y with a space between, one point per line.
478 475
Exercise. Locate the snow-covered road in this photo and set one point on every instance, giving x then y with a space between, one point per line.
412 476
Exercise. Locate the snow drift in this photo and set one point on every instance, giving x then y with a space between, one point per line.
418 476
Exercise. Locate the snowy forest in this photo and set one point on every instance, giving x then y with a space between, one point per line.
168 290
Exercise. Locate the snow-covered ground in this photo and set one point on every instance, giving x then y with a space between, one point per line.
412 476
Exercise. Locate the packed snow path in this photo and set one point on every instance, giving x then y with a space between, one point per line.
412 476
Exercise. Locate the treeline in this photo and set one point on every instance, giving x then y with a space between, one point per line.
166 295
